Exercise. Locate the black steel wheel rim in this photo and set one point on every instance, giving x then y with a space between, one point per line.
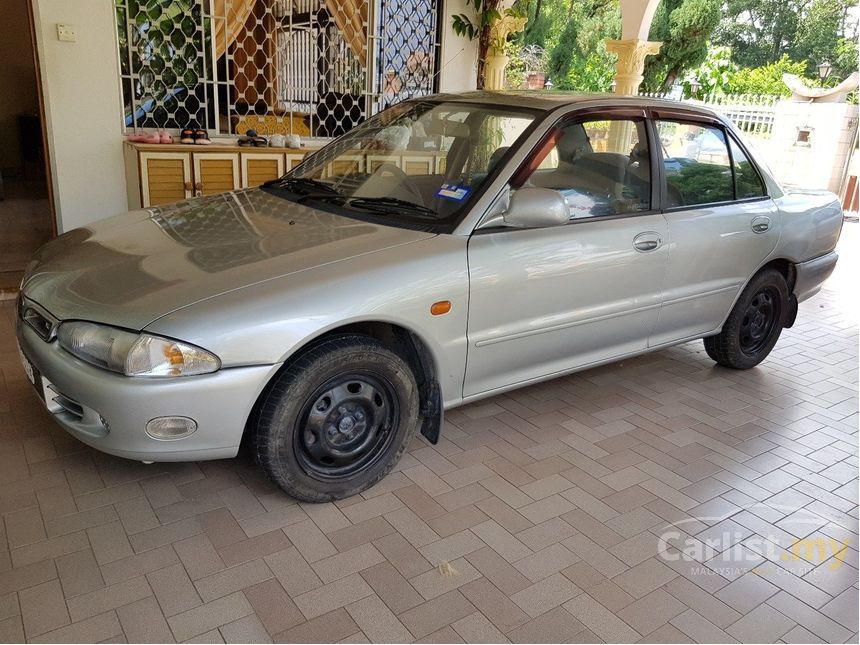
760 320
346 426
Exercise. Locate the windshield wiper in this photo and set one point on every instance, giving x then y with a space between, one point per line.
302 186
383 204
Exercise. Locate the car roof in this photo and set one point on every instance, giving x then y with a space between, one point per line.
548 100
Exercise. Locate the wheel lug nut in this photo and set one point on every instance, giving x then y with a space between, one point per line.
342 410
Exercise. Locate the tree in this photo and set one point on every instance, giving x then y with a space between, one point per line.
579 60
715 75
759 32
766 79
684 27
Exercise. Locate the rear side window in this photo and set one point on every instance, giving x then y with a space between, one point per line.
697 165
747 179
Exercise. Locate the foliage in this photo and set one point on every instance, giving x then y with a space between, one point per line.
700 183
715 75
766 79
480 26
729 46
579 60
523 60
684 27
762 31
485 12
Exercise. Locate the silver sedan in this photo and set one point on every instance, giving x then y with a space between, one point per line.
446 250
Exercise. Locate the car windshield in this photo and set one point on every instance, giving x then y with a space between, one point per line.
416 164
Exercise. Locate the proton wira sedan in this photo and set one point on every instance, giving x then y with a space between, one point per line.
446 250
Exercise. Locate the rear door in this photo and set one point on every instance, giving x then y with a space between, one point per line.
722 225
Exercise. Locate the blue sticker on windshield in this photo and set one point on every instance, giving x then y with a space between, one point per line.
453 192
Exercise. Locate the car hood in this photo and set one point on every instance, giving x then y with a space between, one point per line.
131 269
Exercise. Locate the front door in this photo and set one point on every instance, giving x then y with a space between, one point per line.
722 227
544 301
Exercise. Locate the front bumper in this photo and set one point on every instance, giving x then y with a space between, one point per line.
114 409
812 273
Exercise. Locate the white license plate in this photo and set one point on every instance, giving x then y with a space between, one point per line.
28 368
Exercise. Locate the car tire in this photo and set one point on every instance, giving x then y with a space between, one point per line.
337 419
754 324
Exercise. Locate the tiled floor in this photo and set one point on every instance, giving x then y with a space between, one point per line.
562 509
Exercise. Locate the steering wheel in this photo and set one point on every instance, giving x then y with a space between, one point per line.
405 180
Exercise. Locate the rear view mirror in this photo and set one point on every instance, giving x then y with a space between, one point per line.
534 207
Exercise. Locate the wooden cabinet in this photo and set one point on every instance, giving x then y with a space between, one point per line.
260 167
165 177
215 172
163 174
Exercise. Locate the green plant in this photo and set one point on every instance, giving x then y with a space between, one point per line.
486 13
762 31
715 75
766 79
579 61
524 59
684 27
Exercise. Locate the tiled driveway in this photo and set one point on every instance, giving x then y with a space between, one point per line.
551 504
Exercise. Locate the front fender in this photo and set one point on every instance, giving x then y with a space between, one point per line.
268 322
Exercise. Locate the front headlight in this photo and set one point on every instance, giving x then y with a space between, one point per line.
134 354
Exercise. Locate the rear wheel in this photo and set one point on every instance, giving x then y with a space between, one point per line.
337 420
754 325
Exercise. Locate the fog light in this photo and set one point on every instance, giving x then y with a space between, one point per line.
169 428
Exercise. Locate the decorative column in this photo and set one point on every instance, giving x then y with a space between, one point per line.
497 60
631 62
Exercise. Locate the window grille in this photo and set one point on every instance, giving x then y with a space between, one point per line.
307 67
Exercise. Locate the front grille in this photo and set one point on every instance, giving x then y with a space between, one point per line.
41 322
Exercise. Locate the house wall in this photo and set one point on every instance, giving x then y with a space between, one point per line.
459 67
83 109
821 161
17 81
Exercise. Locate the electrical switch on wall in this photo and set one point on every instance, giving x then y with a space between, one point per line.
66 33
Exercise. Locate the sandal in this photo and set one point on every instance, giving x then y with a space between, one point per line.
165 138
145 137
187 135
201 137
251 138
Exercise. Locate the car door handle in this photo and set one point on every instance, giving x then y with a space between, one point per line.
760 224
645 242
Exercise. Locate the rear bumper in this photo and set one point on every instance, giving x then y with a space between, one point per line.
812 273
114 409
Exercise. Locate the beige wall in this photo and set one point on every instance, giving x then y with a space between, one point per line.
821 163
83 109
17 79
459 67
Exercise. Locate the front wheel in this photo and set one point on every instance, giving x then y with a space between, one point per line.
337 420
754 324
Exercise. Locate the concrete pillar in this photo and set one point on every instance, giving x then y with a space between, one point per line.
497 60
631 62
494 71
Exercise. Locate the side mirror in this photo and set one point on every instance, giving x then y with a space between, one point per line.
534 207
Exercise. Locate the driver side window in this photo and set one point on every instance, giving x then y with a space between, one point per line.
602 167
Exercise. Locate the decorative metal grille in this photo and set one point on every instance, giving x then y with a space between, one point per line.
307 67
